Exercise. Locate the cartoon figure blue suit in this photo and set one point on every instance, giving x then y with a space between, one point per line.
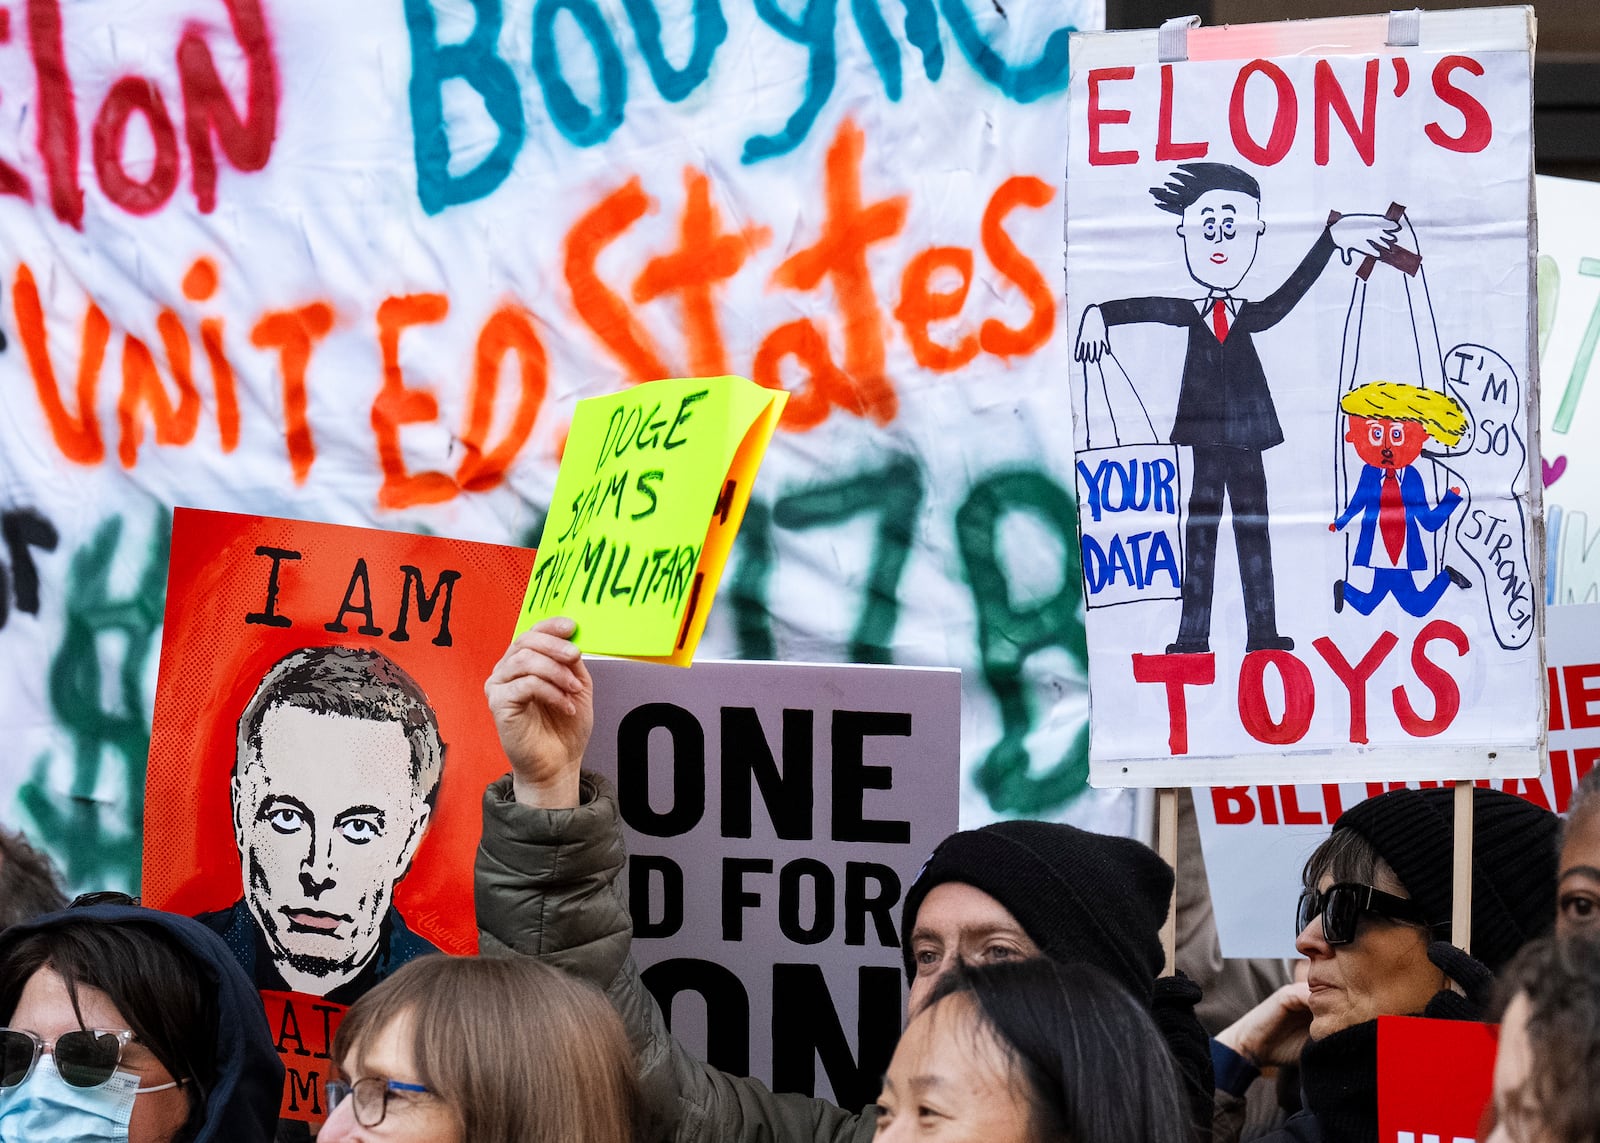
1389 423
1399 581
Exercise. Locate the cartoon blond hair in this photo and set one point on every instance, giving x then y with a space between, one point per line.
1439 413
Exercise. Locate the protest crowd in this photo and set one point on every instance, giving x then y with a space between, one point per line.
1186 486
1038 1011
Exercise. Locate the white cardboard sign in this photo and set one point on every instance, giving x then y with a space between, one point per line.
1299 265
775 814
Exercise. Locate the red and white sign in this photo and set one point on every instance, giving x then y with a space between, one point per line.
1434 1078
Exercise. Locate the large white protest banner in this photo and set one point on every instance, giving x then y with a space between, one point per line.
775 814
1256 838
1300 281
355 262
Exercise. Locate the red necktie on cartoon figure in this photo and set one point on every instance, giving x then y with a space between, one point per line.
1392 516
1219 318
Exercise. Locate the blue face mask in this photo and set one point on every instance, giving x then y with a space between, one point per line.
44 1108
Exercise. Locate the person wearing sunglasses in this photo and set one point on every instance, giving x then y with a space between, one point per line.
1373 921
491 1050
123 1023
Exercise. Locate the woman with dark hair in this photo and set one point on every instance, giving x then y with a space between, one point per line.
482 1050
1031 1051
129 1023
1547 1071
1374 922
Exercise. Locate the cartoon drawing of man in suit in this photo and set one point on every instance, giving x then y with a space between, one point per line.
1225 410
1389 424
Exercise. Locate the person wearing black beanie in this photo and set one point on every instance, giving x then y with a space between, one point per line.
1374 922
1079 896
1513 860
1028 888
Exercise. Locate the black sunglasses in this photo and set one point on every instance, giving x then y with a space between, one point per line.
84 1058
1342 907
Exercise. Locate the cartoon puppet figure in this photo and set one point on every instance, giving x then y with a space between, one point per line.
1225 410
1389 423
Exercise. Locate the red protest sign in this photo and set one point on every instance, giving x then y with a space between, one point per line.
1434 1078
303 1028
318 755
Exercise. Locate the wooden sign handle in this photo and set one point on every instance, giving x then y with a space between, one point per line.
1167 847
1461 893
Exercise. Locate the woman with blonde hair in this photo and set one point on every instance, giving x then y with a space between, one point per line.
492 1050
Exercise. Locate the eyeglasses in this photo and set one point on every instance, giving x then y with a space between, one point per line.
86 1057
1342 906
369 1096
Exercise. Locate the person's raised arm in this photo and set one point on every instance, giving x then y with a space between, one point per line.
542 699
547 884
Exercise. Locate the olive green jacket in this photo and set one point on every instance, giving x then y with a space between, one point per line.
547 884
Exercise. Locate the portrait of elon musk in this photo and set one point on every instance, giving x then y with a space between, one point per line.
337 763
